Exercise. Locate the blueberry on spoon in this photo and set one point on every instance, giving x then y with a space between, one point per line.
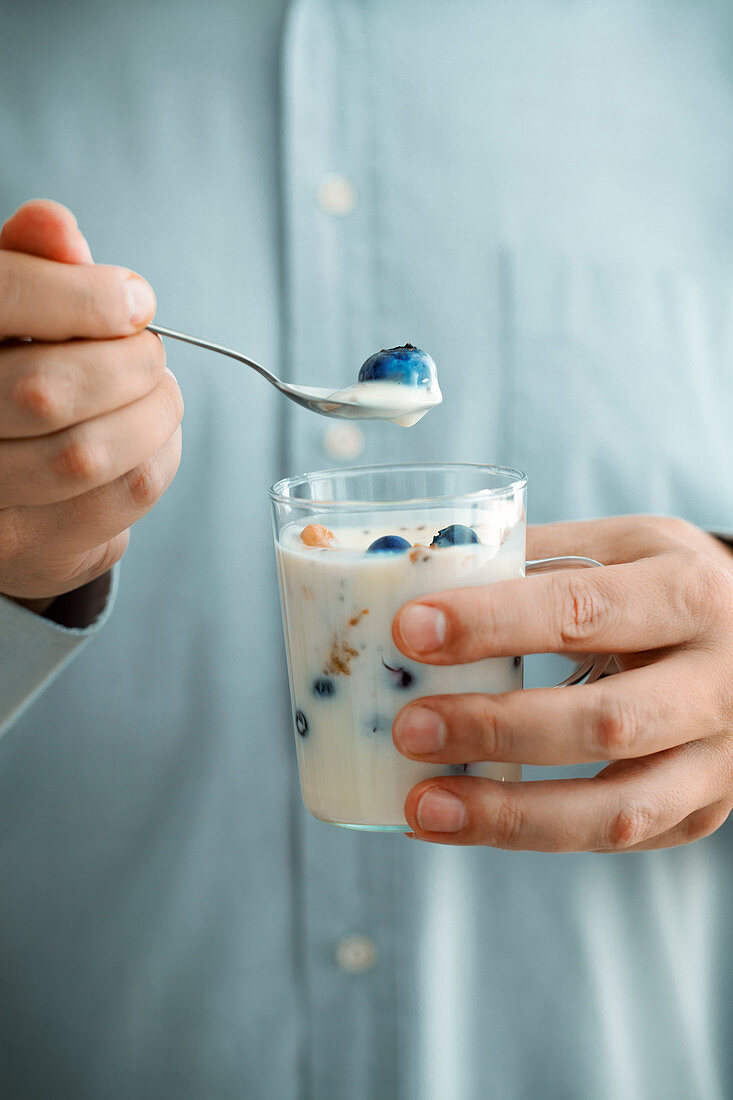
397 384
407 365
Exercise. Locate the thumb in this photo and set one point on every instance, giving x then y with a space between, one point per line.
45 228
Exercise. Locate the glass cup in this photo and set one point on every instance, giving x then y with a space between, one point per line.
347 677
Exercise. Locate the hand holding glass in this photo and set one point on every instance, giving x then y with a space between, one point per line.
347 678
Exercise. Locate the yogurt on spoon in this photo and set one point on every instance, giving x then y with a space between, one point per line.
397 384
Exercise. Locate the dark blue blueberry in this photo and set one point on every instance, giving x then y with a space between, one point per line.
324 687
517 662
455 535
407 365
390 544
301 723
402 678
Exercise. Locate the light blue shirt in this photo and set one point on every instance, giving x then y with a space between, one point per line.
539 193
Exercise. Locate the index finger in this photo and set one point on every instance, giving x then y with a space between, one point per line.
643 605
46 300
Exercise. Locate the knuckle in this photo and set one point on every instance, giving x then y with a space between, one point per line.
493 732
616 727
41 397
146 484
708 593
630 825
509 824
81 462
583 611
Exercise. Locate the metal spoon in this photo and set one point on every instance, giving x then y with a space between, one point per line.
324 401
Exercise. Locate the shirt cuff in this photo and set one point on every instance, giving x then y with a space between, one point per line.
35 648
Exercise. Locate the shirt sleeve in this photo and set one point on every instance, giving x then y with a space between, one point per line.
35 648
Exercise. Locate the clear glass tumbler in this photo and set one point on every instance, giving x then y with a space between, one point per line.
460 525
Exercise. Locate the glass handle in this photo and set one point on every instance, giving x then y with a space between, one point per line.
592 667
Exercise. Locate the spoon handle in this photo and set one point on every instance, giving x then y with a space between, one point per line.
159 331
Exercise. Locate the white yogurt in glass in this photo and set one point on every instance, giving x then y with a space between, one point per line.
347 678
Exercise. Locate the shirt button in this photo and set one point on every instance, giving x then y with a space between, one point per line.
343 440
337 195
356 954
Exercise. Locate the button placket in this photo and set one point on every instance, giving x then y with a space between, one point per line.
331 257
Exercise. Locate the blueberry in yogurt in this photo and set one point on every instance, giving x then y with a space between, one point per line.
324 688
389 544
401 678
455 535
408 365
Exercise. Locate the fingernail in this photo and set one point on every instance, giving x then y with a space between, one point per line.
422 628
140 300
420 731
439 811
